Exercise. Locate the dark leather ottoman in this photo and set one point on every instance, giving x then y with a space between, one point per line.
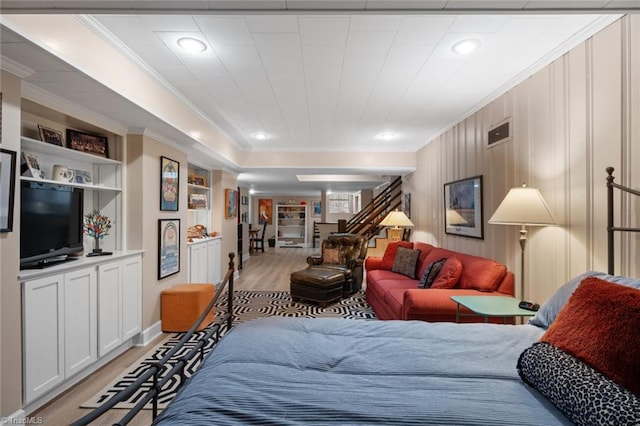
317 284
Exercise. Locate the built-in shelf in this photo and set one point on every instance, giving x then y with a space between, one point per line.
75 185
29 144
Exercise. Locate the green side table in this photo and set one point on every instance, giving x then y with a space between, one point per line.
490 306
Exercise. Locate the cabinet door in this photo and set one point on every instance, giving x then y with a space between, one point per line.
198 259
80 323
131 297
213 249
109 307
43 322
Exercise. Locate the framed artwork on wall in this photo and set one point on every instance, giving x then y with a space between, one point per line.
7 188
169 184
265 211
463 208
168 247
316 209
231 203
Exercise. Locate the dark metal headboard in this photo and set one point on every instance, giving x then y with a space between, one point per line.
611 185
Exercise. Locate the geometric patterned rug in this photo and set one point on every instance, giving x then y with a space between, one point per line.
247 305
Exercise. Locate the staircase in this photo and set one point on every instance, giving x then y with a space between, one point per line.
367 221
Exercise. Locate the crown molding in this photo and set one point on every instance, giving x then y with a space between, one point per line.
15 68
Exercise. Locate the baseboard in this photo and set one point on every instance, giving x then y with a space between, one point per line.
20 418
149 334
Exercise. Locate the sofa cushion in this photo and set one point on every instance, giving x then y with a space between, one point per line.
406 262
430 273
449 274
425 249
599 326
480 273
390 253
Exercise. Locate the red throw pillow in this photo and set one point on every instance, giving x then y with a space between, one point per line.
599 326
449 274
390 253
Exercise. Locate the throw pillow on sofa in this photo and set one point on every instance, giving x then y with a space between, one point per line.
406 262
449 274
430 273
390 253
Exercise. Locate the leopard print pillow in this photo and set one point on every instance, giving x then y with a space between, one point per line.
582 393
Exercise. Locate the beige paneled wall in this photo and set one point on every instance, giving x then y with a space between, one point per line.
569 122
228 228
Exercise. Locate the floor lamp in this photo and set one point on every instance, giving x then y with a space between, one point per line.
396 219
523 206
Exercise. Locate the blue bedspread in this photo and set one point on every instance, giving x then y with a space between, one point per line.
279 371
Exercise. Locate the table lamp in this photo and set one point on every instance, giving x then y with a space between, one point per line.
396 219
523 206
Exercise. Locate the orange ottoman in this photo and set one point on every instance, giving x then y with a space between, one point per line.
181 305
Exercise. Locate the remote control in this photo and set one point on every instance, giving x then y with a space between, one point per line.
529 306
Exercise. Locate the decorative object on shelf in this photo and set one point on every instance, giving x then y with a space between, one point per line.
523 206
81 176
169 248
231 203
87 142
169 184
265 211
198 180
463 207
62 173
396 220
7 187
316 209
198 201
197 231
51 136
96 226
32 164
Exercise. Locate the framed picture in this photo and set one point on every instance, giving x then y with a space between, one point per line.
265 209
198 201
231 203
316 209
197 180
463 207
87 142
169 184
7 188
51 136
407 204
169 247
32 164
244 200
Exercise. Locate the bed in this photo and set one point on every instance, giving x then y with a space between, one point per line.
285 371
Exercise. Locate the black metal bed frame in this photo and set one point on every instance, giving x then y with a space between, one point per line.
611 228
154 369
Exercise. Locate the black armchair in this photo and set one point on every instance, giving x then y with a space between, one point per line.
345 253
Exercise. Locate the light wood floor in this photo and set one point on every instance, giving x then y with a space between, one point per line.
263 271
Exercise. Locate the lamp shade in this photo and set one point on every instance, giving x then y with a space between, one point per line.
396 218
523 206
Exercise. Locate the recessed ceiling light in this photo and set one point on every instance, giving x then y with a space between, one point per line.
465 47
261 136
191 44
386 136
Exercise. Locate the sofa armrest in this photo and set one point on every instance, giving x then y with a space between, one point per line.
314 260
507 286
372 263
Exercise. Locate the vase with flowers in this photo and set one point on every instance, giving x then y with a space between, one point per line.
97 225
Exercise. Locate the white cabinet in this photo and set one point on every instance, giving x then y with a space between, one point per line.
74 315
59 328
291 225
204 260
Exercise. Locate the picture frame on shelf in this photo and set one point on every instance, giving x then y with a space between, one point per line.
231 203
463 207
50 135
32 164
198 201
168 247
88 142
81 176
7 188
169 184
198 180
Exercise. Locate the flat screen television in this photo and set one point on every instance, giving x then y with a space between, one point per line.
51 219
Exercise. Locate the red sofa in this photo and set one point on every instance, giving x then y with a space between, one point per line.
393 295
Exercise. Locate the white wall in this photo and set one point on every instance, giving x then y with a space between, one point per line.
570 121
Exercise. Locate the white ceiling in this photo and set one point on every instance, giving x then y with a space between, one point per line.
316 81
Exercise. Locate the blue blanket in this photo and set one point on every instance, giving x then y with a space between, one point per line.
281 371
